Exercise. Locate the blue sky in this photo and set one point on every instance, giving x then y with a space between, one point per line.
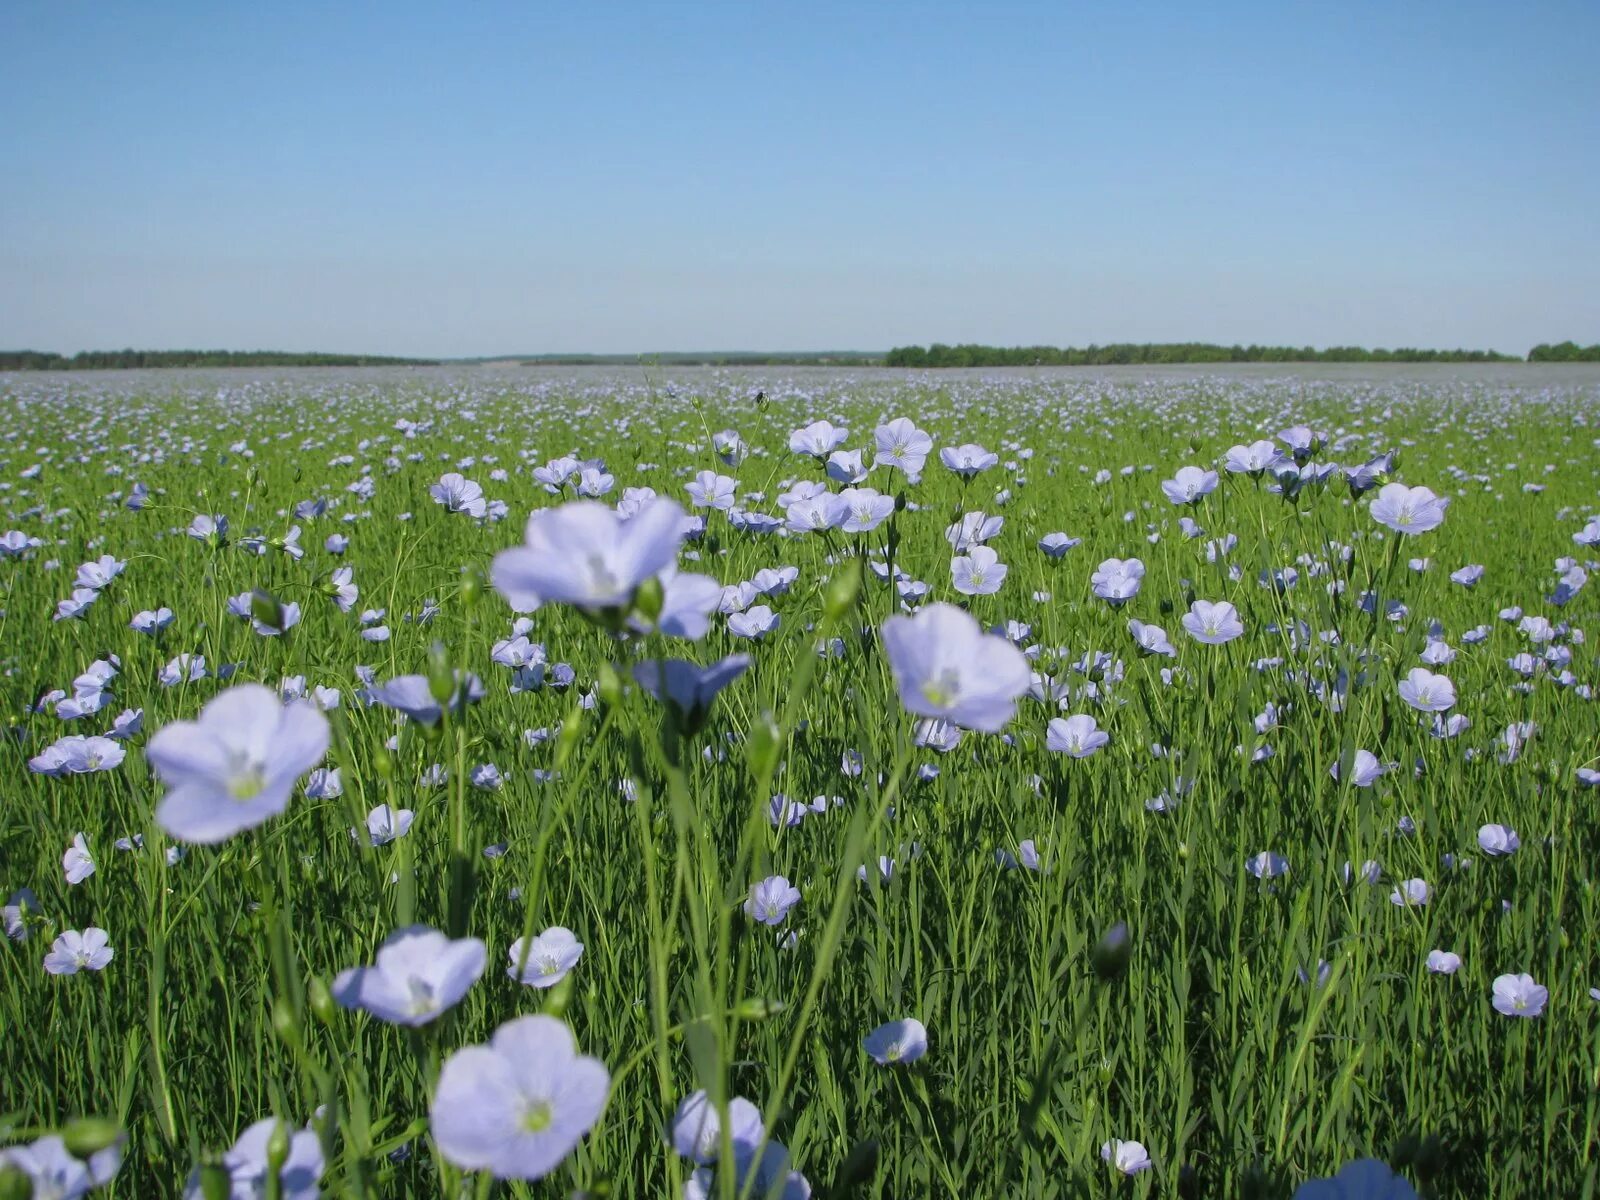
486 178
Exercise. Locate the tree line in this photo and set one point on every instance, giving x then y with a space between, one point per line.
1564 352
114 360
1158 353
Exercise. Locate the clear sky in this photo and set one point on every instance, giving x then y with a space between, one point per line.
483 178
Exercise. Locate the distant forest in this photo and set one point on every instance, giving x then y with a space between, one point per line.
936 355
1157 353
114 360
1564 352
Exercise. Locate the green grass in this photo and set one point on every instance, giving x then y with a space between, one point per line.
1238 1077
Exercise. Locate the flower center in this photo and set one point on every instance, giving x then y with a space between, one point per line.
422 998
941 691
601 580
536 1117
248 782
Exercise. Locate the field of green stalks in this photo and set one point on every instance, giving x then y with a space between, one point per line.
1293 911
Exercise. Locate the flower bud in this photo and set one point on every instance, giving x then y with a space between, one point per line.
321 1000
441 680
277 1149
285 1022
567 739
471 586
215 1183
610 686
648 599
765 745
758 1008
265 609
89 1135
14 1184
557 998
842 589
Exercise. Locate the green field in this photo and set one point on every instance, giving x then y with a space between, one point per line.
1252 1033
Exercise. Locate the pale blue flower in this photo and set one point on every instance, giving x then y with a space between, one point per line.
549 957
518 1106
945 666
418 975
235 766
902 1041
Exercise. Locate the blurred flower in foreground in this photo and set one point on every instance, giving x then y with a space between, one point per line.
248 1161
54 1173
696 1131
1364 1179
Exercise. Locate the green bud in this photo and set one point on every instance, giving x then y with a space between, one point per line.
610 686
277 1149
321 1000
14 1184
1112 952
757 1008
215 1182
647 601
383 762
567 739
557 998
842 589
90 1135
766 743
285 1023
471 586
265 609
441 680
